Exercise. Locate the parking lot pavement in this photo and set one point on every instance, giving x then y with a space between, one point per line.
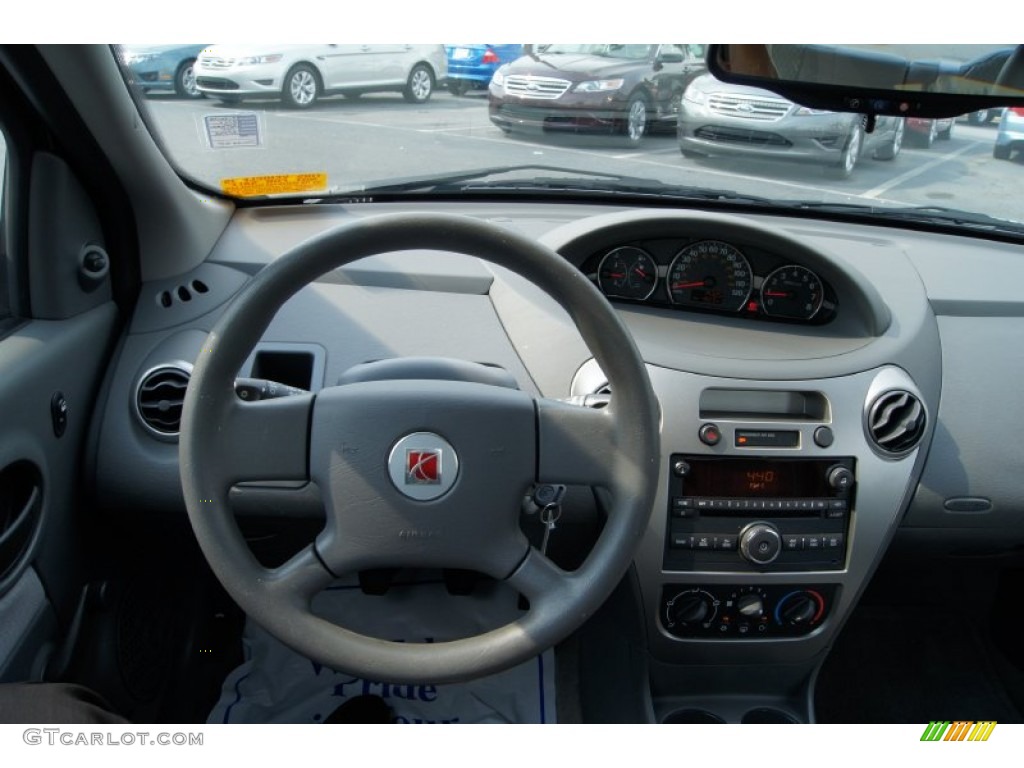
381 137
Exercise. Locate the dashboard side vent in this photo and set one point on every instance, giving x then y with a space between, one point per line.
896 422
159 398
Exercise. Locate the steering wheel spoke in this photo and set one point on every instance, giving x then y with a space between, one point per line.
266 440
538 579
299 579
576 444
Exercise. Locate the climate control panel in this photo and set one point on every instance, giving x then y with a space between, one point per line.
745 612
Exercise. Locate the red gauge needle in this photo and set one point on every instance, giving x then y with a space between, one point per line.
777 294
641 272
616 275
692 284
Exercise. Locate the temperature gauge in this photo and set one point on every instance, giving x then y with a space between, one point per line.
627 273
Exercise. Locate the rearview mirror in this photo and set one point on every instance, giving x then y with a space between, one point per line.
911 80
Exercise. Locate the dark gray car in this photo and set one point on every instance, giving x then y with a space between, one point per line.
717 118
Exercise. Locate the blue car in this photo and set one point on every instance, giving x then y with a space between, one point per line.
471 65
163 68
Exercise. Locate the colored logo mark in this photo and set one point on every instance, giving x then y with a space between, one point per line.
961 730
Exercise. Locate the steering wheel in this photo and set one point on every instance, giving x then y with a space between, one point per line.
418 473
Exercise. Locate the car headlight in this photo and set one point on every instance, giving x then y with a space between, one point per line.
805 111
695 96
268 59
592 86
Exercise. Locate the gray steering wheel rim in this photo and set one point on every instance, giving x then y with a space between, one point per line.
632 473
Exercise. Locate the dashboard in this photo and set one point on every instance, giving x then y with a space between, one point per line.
828 392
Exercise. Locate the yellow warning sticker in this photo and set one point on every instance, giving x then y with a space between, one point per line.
284 184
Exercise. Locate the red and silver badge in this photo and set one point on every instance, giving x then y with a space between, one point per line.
423 466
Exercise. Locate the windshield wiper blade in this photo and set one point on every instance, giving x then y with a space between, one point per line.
574 180
928 214
456 181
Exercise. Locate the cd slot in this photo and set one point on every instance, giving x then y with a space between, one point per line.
763 404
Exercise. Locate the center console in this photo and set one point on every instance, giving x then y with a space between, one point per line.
776 502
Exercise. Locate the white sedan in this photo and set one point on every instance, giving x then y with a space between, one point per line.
301 74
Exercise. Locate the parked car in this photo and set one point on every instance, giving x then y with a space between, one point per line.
472 65
1010 136
925 130
594 88
301 74
719 118
163 68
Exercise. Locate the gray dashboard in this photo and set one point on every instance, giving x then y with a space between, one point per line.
937 317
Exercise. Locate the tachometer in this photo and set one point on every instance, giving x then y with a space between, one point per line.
711 275
793 292
627 273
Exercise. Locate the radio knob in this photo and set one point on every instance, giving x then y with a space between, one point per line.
760 543
840 478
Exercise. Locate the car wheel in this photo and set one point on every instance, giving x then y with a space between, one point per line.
928 138
635 125
301 87
420 84
981 117
947 134
851 153
458 87
1001 152
894 146
185 81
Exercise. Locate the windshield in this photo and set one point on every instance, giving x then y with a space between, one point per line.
268 122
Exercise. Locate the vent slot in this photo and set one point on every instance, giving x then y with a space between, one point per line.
896 422
160 397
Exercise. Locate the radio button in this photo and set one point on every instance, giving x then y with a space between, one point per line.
792 543
833 540
703 542
727 543
812 542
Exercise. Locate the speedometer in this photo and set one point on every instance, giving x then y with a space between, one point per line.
710 275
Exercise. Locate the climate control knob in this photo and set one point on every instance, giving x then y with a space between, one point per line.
800 608
689 608
760 543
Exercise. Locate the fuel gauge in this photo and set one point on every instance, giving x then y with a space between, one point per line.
792 292
628 273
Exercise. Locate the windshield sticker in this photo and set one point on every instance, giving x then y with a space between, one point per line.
237 129
282 184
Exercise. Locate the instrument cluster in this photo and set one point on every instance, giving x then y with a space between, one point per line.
713 276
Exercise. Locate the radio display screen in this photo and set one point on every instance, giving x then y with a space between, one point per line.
758 478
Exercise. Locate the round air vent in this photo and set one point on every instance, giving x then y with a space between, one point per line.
896 422
160 396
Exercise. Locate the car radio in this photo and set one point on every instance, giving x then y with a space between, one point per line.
756 514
